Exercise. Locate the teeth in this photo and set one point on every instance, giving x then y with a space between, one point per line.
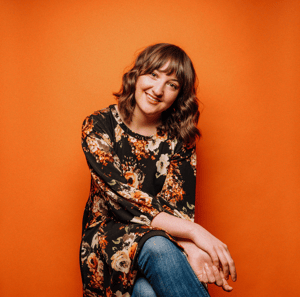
152 98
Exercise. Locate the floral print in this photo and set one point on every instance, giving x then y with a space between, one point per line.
162 165
133 178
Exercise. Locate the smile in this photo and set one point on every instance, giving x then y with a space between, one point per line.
152 99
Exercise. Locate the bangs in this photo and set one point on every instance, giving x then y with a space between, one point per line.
173 56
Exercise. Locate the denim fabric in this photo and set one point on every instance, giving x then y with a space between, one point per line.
142 288
166 272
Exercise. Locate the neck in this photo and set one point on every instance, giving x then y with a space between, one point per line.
142 125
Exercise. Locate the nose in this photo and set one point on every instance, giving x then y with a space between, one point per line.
158 89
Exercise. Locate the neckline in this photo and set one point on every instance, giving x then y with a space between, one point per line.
125 128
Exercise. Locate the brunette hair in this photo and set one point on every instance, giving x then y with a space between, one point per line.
180 120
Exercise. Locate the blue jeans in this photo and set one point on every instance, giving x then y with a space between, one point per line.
166 272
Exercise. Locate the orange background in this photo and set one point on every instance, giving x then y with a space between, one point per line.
61 60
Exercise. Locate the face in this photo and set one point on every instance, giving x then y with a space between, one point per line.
155 92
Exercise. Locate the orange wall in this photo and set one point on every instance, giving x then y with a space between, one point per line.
61 60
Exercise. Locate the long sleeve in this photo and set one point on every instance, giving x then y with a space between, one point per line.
178 192
126 202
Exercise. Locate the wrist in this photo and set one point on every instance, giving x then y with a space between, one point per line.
192 231
188 245
177 227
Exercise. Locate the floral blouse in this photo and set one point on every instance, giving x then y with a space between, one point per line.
133 178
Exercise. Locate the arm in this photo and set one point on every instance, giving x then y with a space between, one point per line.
125 202
179 189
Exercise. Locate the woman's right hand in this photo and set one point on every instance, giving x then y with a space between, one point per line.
217 250
182 228
203 267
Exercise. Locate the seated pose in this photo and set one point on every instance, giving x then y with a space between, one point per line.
139 236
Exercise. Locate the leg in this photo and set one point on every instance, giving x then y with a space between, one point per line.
167 269
142 289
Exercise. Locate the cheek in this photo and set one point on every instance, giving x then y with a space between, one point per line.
138 88
172 97
142 83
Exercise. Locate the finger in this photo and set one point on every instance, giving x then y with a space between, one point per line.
214 257
203 276
218 277
224 261
225 285
231 265
209 273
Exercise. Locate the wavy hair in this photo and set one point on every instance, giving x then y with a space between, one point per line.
181 119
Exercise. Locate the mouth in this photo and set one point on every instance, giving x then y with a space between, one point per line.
152 99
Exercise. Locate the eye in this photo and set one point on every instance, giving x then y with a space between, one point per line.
153 74
174 86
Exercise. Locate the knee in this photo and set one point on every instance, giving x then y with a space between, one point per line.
157 247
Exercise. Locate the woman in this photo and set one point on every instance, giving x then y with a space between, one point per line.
139 236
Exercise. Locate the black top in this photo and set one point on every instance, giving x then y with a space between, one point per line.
133 178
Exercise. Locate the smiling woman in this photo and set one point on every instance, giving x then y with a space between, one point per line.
139 236
160 73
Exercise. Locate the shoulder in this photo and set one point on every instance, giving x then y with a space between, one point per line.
184 151
99 121
99 115
183 148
